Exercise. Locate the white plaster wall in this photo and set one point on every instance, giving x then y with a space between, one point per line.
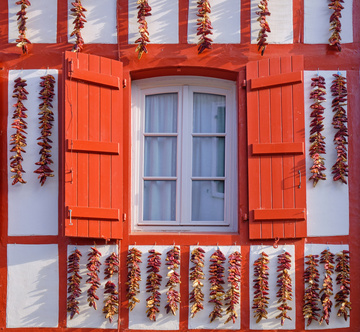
316 22
89 317
335 321
100 27
280 22
201 319
328 202
32 286
32 208
272 323
138 317
225 20
41 24
163 23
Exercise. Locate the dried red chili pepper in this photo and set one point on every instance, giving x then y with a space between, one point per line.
144 10
196 275
216 272
22 41
317 140
264 25
335 24
111 303
285 287
73 283
339 92
18 140
204 25
79 21
173 296
261 298
133 260
232 296
46 119
93 266
311 296
327 258
343 279
153 283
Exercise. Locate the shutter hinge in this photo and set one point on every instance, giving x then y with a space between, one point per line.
124 83
71 66
124 217
244 84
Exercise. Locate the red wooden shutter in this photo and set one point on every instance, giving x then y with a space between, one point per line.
93 134
275 116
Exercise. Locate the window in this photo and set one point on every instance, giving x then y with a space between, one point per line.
184 155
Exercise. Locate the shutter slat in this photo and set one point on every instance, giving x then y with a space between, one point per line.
91 146
276 153
94 213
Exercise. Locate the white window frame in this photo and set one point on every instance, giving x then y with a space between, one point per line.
184 86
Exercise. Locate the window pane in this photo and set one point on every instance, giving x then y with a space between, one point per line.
207 201
161 113
160 156
208 156
209 113
159 200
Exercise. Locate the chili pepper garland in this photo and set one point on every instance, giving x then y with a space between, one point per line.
261 298
216 272
93 266
22 41
79 21
317 140
311 296
285 287
335 24
111 303
172 295
264 25
73 283
196 275
144 10
153 284
232 296
46 119
204 25
133 260
339 92
343 279
18 140
327 258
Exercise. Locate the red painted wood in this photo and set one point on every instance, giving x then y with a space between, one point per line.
92 146
272 113
276 79
278 148
92 125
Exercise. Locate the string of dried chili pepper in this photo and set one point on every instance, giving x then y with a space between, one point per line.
93 266
264 25
196 275
133 260
343 279
73 283
261 298
153 283
327 258
144 10
335 24
232 296
79 21
204 25
317 140
339 92
285 287
18 140
172 295
46 119
217 292
311 296
22 41
111 302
